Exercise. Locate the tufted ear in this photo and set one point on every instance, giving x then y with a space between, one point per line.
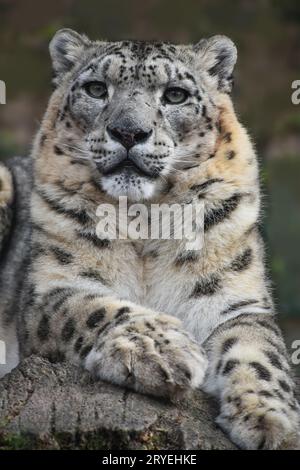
218 56
65 49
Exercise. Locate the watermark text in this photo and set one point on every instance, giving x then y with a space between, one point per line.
296 94
2 353
152 222
2 92
295 357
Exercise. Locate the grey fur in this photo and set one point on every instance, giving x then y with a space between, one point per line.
14 259
16 249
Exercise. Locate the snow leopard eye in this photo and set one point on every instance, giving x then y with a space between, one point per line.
96 90
175 95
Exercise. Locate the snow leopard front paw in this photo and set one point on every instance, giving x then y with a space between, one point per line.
150 354
260 420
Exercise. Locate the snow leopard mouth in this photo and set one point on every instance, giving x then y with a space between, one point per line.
129 167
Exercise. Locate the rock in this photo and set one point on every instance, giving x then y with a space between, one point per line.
57 406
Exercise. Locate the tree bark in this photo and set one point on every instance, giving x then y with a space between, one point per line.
57 406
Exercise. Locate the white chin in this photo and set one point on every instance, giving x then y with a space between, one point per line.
136 190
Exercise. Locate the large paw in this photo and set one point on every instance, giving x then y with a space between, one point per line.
150 354
260 421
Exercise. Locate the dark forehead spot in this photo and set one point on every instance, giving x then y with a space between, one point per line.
106 66
190 77
139 50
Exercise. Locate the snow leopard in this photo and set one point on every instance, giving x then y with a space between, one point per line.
153 122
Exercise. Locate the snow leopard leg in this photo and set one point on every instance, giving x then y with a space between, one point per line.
7 333
250 374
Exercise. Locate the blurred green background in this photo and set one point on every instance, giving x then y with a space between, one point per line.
267 33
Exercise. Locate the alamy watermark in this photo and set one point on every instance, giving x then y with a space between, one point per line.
2 352
2 92
2 343
295 357
296 94
152 222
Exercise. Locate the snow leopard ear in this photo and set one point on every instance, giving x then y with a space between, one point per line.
66 47
218 56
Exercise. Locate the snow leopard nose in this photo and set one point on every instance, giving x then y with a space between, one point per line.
129 137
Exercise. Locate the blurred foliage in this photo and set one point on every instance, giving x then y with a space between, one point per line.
267 33
8 145
288 10
289 124
283 229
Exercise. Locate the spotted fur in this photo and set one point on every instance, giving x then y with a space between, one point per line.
149 314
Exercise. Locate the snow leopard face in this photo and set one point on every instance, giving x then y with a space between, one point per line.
139 111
